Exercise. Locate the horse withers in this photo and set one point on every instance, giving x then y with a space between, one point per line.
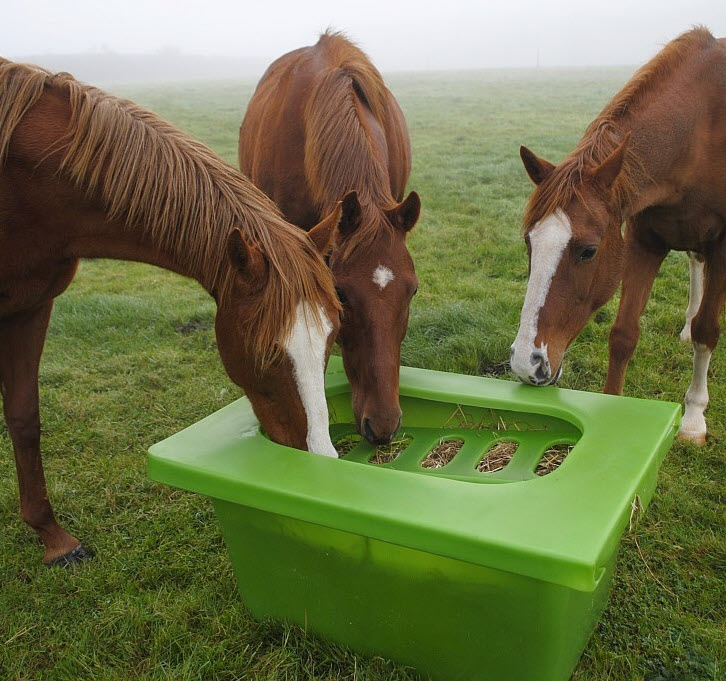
86 175
654 159
322 125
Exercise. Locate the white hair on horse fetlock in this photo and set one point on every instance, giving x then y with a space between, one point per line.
383 276
693 424
548 240
306 348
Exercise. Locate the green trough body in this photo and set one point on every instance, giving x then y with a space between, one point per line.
459 574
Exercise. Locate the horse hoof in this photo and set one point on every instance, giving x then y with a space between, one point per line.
74 557
690 436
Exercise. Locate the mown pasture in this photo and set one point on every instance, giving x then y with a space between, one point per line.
131 359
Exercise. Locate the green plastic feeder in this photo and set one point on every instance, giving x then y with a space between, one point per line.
460 574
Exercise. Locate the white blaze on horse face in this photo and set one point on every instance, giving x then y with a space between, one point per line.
548 240
383 276
306 348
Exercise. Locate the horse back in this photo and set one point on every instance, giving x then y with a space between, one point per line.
272 136
276 126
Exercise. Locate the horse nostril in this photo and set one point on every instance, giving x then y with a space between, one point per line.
540 374
368 431
371 435
541 366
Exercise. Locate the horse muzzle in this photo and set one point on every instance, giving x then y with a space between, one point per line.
380 432
536 369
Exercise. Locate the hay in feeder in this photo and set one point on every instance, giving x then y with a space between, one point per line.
442 453
346 444
497 457
390 452
489 420
552 459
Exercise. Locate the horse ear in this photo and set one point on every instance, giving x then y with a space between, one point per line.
537 168
351 214
607 172
322 234
405 214
247 260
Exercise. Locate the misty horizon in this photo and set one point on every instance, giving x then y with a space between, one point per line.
401 36
172 63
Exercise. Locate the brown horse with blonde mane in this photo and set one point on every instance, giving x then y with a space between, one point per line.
86 175
655 158
322 124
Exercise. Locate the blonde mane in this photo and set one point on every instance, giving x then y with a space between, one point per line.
339 154
605 134
177 192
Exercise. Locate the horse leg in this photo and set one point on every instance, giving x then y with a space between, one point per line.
641 266
705 329
21 344
695 266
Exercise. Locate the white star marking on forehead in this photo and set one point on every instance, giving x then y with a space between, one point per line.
383 276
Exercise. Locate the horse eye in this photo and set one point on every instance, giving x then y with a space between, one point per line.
588 253
341 295
415 291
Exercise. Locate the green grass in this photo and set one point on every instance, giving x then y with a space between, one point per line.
131 359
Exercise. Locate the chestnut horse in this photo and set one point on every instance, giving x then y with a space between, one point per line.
84 174
320 124
655 158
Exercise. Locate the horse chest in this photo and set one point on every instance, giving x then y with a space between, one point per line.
686 226
22 291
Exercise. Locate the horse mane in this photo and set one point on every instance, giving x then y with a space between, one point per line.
605 134
339 154
178 193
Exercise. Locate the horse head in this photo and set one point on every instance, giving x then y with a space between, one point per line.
576 250
375 281
283 378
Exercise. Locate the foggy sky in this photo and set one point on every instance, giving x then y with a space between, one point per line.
397 34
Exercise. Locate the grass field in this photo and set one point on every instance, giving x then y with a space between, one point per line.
131 359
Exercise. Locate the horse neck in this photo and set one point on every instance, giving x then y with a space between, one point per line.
82 229
374 195
103 238
377 181
366 170
75 221
654 178
664 134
